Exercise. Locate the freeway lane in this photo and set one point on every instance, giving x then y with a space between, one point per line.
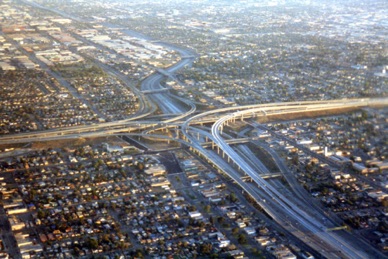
280 205
265 200
291 180
331 239
209 116
166 102
332 219
301 201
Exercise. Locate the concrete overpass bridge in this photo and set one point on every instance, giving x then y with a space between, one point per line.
166 73
194 135
235 113
155 91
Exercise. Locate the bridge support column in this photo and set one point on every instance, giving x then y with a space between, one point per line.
238 167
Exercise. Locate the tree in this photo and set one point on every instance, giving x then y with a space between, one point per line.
385 202
295 159
140 166
92 243
41 214
201 224
138 254
205 248
242 239
235 231
257 252
98 163
192 208
233 197
105 238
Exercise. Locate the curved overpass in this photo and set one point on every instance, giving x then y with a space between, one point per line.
288 207
205 117
315 227
152 85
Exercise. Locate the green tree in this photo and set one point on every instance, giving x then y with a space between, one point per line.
205 248
138 254
92 243
140 166
233 197
41 214
242 239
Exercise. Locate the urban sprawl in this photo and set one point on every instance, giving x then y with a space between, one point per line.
193 129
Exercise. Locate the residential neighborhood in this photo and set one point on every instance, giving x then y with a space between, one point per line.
64 203
193 129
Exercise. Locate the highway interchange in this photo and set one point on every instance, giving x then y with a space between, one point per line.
292 212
